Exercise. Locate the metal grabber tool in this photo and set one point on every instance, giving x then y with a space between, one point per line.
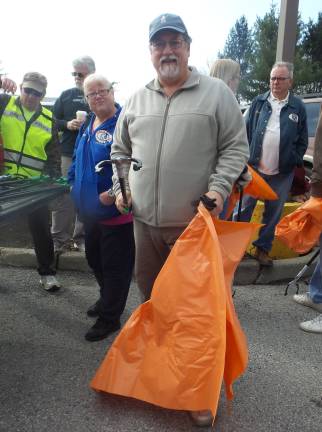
295 281
121 164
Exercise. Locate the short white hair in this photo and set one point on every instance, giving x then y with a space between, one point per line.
287 65
95 77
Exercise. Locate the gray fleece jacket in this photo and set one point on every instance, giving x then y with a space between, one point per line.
189 143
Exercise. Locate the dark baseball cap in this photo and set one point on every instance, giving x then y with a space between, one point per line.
167 22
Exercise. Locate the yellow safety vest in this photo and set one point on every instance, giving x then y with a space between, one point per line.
24 142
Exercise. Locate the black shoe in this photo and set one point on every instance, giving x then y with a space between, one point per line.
93 310
101 329
263 258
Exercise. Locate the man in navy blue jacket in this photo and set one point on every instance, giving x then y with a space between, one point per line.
278 138
109 239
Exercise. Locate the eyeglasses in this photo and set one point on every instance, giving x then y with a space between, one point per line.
279 78
31 91
78 74
159 45
102 93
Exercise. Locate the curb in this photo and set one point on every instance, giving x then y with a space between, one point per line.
249 272
19 257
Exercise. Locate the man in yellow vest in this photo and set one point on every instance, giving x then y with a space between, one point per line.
31 148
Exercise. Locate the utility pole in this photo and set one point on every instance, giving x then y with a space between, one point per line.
286 38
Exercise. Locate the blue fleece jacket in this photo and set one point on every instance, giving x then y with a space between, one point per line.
91 147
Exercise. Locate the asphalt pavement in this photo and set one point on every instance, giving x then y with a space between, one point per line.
46 364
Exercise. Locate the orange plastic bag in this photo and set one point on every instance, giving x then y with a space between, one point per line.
257 188
176 348
301 229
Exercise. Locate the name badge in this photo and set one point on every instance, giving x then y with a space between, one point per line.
103 136
294 117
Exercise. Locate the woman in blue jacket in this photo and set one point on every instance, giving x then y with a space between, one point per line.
109 240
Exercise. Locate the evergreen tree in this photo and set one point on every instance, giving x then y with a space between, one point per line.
311 54
264 52
255 50
312 41
238 47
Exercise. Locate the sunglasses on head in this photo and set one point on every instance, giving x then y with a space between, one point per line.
31 91
78 74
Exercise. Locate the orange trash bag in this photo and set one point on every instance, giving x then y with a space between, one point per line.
176 348
257 188
301 229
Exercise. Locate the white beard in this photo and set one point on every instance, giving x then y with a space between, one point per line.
169 70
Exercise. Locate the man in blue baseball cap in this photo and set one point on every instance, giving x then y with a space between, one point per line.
188 131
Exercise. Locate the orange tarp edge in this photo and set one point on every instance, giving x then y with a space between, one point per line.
301 229
175 349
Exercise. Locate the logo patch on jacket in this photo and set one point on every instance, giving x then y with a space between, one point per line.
294 117
103 136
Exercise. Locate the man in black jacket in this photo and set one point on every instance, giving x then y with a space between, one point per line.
65 110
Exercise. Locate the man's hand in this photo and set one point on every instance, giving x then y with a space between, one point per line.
244 178
219 202
8 85
122 208
74 124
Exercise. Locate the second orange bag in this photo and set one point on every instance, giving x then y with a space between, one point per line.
176 349
257 188
301 229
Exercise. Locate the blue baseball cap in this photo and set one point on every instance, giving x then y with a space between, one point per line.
167 22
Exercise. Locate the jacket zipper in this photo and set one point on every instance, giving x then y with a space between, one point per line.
158 161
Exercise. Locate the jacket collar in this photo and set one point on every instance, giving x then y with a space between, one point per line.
264 96
292 100
192 81
111 122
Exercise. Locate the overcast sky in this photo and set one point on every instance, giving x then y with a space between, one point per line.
46 36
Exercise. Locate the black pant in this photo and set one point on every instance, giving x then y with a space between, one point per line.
110 252
39 226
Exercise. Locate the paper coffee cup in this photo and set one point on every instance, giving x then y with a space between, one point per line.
81 115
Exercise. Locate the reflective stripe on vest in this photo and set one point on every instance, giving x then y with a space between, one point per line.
13 157
20 117
25 153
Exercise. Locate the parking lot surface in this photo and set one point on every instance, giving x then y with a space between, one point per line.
46 364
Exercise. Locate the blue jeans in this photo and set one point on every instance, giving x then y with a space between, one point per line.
281 184
316 280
